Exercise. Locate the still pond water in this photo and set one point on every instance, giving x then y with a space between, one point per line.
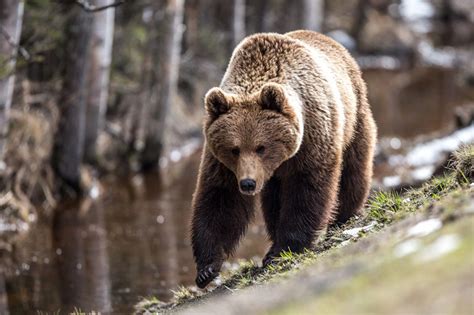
106 254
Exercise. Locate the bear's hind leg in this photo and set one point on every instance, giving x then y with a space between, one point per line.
357 169
308 199
271 211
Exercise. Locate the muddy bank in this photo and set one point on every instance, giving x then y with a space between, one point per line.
422 234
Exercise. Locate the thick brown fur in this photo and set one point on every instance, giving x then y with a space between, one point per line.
291 114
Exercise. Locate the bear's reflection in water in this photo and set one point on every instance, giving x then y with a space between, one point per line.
105 254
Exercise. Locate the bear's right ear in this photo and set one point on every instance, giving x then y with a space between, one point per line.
216 103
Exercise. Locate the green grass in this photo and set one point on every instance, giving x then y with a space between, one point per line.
383 208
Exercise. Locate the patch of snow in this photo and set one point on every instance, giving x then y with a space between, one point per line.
432 56
423 173
407 247
94 192
424 228
355 231
395 143
13 227
391 181
430 152
218 280
379 62
418 13
443 245
346 242
175 155
416 9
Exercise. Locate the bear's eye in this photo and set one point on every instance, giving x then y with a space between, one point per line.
260 150
235 151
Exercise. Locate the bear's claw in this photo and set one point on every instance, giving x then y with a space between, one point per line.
270 257
205 276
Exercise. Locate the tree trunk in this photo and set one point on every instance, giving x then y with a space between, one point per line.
100 57
69 146
165 41
313 14
192 25
11 15
238 25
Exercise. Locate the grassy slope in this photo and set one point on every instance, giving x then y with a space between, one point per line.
347 262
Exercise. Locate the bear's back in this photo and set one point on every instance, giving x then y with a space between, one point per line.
344 68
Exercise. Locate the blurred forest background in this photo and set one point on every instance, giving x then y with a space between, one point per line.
91 89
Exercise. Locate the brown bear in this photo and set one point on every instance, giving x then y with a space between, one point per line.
290 127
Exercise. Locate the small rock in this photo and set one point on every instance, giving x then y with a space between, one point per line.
355 231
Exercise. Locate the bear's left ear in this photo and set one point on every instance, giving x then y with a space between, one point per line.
216 103
274 97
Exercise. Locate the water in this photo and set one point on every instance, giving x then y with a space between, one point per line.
106 254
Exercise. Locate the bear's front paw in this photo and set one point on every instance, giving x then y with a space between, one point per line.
205 276
270 256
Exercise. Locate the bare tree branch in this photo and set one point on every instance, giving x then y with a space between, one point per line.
85 5
11 42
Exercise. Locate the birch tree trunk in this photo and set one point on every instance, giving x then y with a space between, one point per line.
100 57
69 147
238 25
165 46
313 14
11 16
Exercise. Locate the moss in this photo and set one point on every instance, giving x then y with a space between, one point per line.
440 194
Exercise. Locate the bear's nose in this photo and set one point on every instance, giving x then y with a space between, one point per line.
247 184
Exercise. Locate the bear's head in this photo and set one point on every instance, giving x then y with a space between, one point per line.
253 135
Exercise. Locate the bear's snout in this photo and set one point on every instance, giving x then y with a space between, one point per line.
248 185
